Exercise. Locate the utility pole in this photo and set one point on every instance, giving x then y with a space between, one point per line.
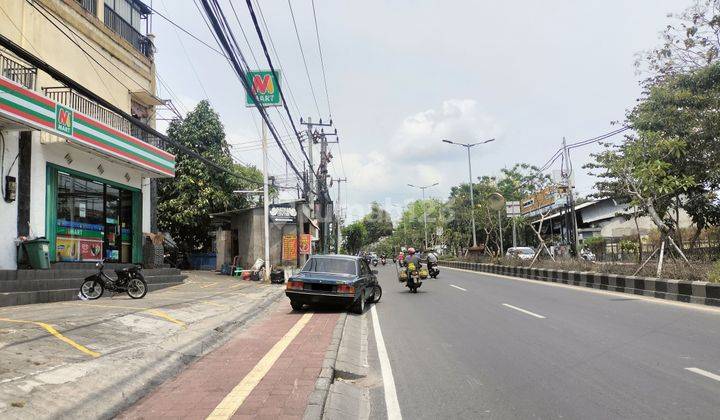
321 179
567 172
338 215
266 203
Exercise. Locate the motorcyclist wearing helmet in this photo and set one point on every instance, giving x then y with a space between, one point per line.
412 257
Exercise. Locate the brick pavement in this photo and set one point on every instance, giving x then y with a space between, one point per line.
282 394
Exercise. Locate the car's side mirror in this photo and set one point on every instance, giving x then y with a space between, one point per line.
374 271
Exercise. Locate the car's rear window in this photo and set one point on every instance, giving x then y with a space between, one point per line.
526 251
331 265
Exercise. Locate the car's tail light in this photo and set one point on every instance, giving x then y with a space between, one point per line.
294 285
344 288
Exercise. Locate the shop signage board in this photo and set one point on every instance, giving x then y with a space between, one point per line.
264 84
283 213
37 111
289 247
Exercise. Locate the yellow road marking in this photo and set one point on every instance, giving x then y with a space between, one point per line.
232 401
205 286
151 311
49 328
236 286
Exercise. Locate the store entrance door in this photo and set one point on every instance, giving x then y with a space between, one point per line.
112 224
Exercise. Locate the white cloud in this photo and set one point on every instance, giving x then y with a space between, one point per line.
415 154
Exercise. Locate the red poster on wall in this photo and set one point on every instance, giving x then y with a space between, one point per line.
305 244
289 247
90 250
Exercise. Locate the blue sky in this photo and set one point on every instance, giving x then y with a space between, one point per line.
404 74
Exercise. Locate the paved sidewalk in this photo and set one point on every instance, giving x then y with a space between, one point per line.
282 393
92 359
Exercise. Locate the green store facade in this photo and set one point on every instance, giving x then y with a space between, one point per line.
79 182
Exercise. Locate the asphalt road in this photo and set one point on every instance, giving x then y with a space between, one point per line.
472 345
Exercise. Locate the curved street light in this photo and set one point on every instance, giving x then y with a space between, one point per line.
423 188
472 199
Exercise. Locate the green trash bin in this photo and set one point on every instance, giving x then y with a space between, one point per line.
37 252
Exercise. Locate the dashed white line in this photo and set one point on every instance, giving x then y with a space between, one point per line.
458 287
704 373
524 311
391 399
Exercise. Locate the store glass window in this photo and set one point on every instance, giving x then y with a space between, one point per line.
94 221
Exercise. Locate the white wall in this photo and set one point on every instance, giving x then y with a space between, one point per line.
146 205
8 211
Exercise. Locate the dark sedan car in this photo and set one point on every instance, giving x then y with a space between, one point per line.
334 280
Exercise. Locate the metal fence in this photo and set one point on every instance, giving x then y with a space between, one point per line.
89 5
125 30
74 100
18 72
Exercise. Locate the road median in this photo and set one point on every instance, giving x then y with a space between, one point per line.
698 292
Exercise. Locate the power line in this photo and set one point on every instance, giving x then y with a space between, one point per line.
229 43
302 53
277 56
167 19
269 60
322 61
187 56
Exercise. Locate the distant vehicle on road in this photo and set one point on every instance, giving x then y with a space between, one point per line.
334 280
521 252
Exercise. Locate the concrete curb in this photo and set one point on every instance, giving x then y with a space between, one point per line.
316 402
700 292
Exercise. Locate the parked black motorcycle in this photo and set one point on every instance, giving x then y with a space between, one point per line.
129 280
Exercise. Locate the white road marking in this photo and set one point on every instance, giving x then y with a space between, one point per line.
458 287
391 399
524 311
704 373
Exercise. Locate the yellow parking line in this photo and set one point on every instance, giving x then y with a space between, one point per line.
236 286
156 312
205 286
232 401
49 328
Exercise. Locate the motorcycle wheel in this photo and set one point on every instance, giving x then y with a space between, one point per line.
92 289
137 288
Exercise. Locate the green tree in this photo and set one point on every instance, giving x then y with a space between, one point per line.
355 237
690 42
186 202
377 223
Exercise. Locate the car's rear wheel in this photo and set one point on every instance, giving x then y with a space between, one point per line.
377 294
297 306
359 306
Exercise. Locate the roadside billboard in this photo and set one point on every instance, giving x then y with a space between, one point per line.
543 200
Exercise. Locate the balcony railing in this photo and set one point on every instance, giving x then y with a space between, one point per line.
18 72
89 5
74 100
125 30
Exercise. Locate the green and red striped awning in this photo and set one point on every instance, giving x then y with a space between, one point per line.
32 109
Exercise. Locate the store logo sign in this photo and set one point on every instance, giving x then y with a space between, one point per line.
64 120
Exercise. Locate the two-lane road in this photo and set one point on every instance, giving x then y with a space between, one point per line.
477 345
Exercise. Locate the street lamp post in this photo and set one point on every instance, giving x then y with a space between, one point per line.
472 198
423 188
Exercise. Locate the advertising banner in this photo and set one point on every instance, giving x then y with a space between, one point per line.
289 247
305 244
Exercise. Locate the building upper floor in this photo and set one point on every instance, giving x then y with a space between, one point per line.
102 45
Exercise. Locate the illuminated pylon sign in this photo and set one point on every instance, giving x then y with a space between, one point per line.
264 85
